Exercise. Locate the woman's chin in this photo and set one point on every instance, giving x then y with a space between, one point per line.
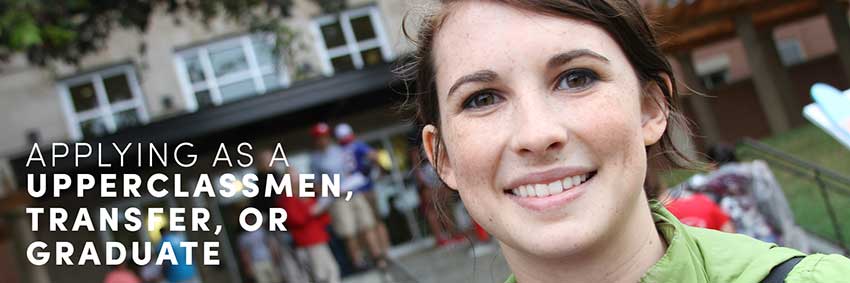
551 241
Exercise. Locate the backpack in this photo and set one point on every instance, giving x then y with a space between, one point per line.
779 272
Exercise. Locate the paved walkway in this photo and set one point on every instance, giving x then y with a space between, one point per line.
821 245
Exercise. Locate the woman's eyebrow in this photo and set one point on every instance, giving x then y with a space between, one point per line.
568 56
484 76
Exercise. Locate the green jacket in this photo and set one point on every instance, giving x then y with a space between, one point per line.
703 255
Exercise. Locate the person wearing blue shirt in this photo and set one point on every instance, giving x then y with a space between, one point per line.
358 163
182 272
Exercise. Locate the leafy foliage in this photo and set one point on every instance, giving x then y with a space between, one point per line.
67 30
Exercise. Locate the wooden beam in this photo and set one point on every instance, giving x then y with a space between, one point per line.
702 12
724 28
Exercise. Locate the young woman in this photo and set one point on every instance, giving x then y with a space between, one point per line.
544 116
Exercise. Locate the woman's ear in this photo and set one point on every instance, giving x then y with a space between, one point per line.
430 140
654 111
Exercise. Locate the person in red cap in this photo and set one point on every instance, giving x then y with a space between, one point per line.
321 132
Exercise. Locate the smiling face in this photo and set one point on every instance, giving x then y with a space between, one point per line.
544 126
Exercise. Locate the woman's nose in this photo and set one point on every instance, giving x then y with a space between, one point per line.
538 130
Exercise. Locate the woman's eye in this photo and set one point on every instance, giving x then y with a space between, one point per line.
481 99
577 80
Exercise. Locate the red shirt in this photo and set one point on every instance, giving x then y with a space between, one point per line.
699 211
121 275
306 230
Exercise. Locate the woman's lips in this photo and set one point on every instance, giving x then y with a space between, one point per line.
541 197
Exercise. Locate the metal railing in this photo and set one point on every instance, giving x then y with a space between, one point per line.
828 181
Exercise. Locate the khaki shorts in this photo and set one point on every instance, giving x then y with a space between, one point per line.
323 265
352 217
265 272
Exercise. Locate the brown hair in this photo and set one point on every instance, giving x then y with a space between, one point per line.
623 20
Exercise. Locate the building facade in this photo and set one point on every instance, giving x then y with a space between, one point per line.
182 80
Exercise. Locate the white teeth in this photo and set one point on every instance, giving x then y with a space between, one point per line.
529 190
568 182
542 190
555 187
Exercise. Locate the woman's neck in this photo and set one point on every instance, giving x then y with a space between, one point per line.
625 255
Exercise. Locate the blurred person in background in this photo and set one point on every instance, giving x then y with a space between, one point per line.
182 272
326 158
429 185
151 273
361 159
353 219
306 220
691 208
258 251
434 201
752 196
288 266
121 274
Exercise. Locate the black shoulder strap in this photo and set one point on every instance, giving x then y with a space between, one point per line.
779 272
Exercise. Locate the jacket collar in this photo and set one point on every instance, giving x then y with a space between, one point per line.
683 261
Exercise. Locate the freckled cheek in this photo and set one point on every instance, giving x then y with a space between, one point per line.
471 157
609 132
472 154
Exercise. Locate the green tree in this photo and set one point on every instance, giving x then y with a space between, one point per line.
67 30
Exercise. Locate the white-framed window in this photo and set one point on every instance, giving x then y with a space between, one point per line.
229 70
351 40
790 51
713 71
102 102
